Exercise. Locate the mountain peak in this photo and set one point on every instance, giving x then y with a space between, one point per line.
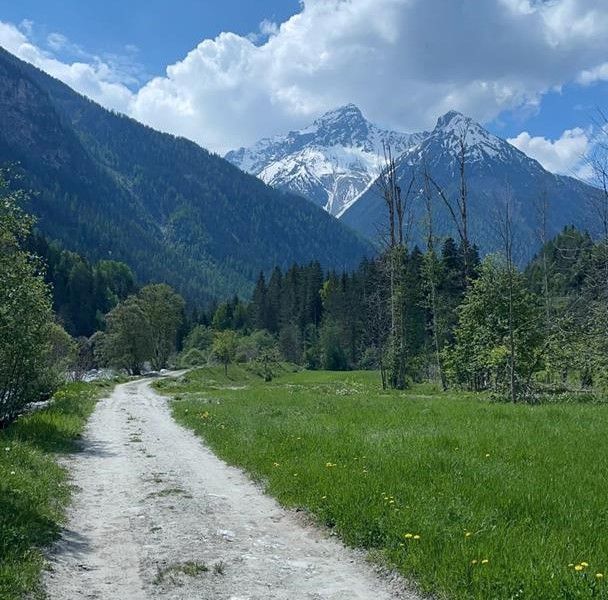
331 161
349 115
453 120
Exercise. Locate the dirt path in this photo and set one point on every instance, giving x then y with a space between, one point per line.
153 501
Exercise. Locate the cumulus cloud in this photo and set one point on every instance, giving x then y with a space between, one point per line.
564 155
404 62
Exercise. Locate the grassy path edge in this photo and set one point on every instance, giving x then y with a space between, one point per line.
34 488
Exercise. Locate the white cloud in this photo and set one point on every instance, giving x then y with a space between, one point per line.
56 41
564 155
598 73
94 79
404 62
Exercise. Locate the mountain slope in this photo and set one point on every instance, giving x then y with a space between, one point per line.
108 187
494 170
330 162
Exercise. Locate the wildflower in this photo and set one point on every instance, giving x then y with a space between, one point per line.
330 465
323 497
584 564
474 561
488 455
467 534
8 449
12 472
485 561
408 536
570 564
276 464
578 567
599 576
416 537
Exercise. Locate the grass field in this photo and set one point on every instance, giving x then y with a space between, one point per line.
468 498
33 488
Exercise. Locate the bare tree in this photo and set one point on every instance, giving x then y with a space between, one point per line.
506 230
542 211
431 271
398 206
458 207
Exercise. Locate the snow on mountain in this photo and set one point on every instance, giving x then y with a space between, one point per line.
331 162
494 169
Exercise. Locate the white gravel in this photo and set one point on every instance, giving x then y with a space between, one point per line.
150 497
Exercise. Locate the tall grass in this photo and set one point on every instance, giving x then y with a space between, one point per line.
469 498
33 487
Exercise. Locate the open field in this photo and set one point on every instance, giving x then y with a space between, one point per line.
33 487
470 499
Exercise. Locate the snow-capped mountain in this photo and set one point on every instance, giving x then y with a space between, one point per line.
331 162
494 170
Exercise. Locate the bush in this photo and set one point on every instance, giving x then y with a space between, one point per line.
192 358
29 340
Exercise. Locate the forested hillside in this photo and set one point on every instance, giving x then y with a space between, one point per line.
110 188
82 292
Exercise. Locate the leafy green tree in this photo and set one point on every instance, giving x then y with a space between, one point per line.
128 342
164 312
500 328
26 318
224 347
333 356
200 338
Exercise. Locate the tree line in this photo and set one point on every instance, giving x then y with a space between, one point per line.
437 313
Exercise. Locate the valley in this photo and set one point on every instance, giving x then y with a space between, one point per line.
303 300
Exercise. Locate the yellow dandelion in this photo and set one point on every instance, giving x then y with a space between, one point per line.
485 561
416 537
578 567
488 455
474 561
599 576
468 534
276 464
408 536
584 564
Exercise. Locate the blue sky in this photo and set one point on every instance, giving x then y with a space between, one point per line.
162 31
226 73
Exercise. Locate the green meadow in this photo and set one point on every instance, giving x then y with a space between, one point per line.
466 497
34 490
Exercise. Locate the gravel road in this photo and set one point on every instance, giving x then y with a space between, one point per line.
157 515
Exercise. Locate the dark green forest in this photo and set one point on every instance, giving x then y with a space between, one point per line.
110 188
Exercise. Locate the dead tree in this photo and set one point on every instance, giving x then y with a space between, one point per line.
432 278
505 229
458 207
399 225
